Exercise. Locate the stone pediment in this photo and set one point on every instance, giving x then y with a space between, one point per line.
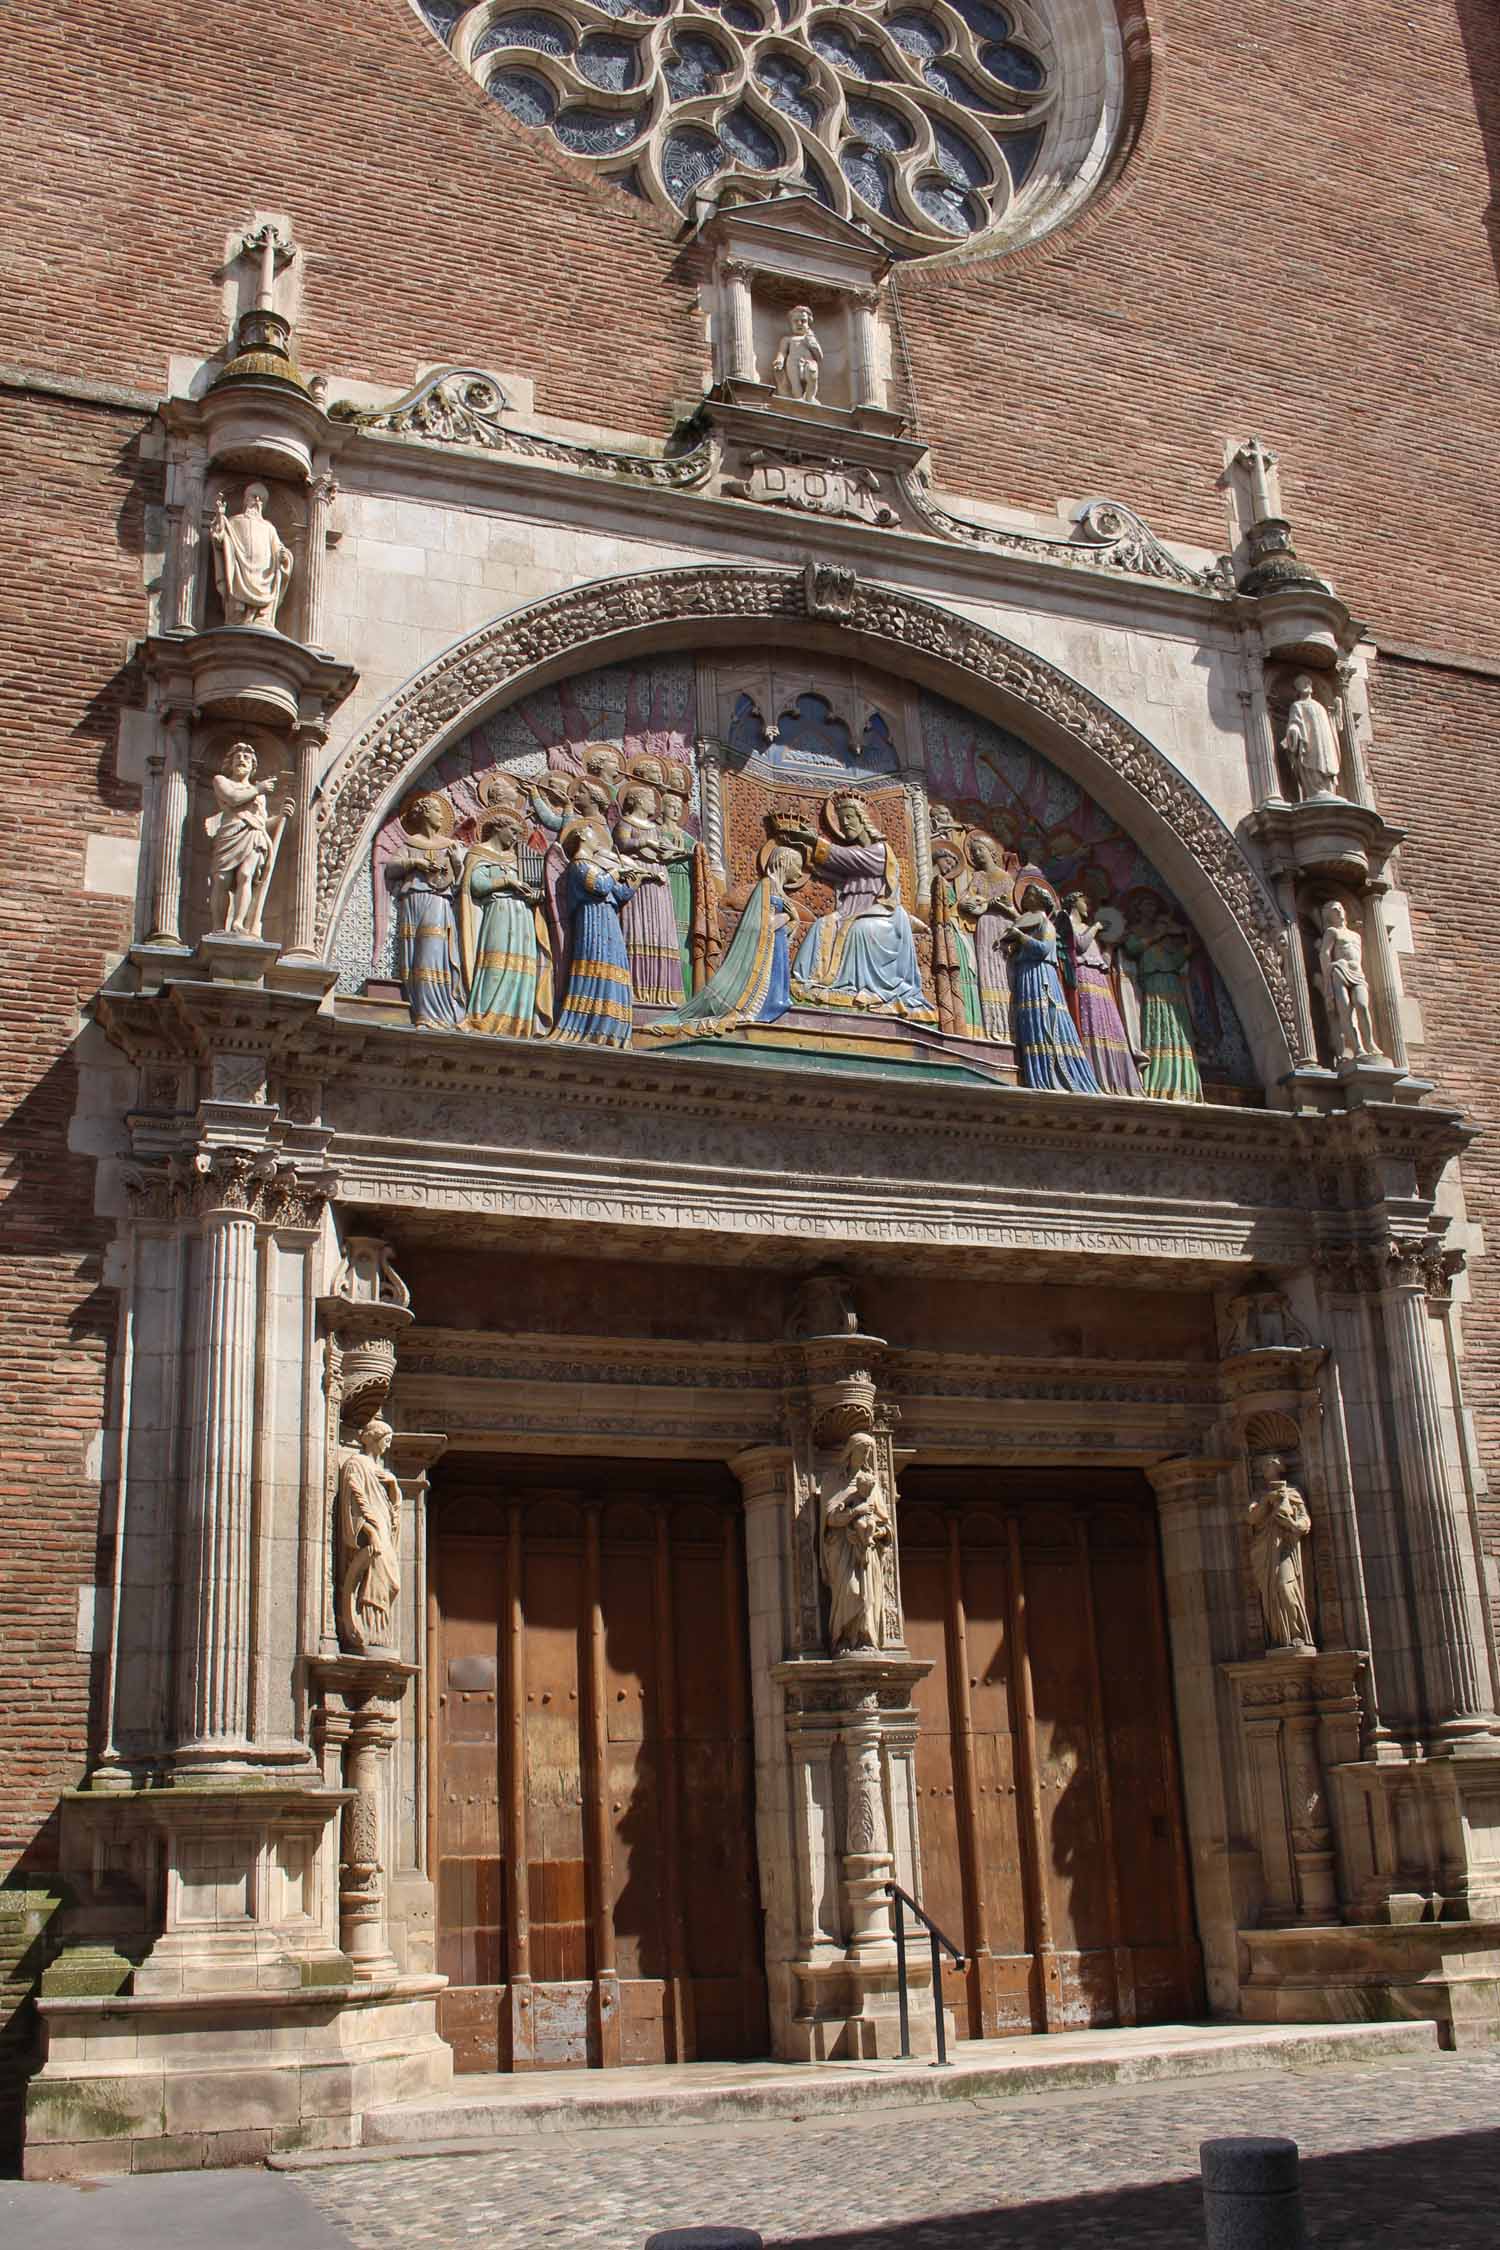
797 233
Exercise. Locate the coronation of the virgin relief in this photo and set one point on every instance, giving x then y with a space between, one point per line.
775 1233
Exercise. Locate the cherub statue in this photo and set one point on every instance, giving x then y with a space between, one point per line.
252 563
1279 1523
1344 985
245 842
369 1532
799 356
857 1536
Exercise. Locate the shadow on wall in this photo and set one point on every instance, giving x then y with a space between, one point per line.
1479 27
1370 2199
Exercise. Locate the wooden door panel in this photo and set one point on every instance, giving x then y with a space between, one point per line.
633 1797
1087 1822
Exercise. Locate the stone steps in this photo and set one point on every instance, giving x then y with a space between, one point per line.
487 2109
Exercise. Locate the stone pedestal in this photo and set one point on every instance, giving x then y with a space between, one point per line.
1301 1719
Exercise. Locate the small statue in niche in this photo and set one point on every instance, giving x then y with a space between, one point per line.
857 1536
369 1541
1345 988
1279 1524
245 843
1101 1026
425 876
252 563
503 937
1161 948
799 357
1048 1049
1311 743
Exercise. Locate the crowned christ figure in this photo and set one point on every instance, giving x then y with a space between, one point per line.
863 954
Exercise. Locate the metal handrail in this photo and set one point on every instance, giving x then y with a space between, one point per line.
894 1890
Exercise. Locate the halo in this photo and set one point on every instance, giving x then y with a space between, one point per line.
778 844
679 778
1032 879
1142 891
587 750
1111 924
505 811
634 787
414 797
595 830
645 768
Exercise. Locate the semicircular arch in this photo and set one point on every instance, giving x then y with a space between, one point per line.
609 620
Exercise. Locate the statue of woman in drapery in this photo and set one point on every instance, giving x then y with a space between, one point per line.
1279 1525
1161 948
1048 1050
425 875
598 1002
752 983
648 918
503 937
858 1532
368 1514
1101 1027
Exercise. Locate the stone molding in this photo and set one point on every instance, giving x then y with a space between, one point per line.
583 623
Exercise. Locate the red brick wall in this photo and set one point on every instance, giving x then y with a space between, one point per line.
71 484
1435 770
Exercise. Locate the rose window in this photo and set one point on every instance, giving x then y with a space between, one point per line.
935 125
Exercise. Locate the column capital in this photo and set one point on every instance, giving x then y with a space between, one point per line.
258 1185
1188 1476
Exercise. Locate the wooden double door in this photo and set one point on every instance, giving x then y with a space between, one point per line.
1051 1817
591 1800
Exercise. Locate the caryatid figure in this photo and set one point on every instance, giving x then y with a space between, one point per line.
252 563
1345 987
799 358
1279 1523
1311 743
369 1542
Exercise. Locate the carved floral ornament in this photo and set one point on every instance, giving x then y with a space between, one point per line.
933 123
739 606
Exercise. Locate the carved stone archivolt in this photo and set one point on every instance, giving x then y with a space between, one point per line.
735 602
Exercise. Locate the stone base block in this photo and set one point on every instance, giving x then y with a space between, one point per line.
1447 1973
163 2082
848 2013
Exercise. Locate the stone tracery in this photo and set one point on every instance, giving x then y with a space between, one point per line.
927 123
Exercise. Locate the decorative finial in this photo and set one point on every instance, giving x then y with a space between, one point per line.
1272 564
263 336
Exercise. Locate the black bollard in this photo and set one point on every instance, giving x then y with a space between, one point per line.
706 2238
1252 2194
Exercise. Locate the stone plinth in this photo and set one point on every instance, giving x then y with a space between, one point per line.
1445 1973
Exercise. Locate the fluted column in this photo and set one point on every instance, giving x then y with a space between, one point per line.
303 924
166 814
737 346
864 386
322 493
1443 1566
214 1650
183 609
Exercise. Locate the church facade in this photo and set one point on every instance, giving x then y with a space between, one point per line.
753 1179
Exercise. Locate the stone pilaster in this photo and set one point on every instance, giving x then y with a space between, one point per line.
302 922
1205 1626
358 1727
1441 1559
1301 1720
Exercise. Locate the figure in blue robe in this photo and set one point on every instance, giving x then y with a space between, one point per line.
1048 1049
753 982
598 1003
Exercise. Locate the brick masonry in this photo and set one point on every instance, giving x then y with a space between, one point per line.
1303 244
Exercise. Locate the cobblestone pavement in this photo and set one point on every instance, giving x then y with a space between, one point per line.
1394 2154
